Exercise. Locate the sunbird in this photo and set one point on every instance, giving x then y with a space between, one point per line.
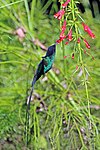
44 66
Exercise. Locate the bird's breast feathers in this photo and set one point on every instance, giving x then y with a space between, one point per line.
48 61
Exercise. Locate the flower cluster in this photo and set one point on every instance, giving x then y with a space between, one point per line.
59 16
88 30
61 13
64 5
90 33
70 36
62 34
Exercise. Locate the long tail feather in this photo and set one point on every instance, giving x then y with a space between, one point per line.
27 124
30 96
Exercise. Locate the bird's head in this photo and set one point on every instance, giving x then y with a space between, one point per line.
51 50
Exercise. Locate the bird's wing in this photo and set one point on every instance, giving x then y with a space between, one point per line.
47 64
40 70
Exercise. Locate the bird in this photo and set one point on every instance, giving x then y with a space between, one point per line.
43 67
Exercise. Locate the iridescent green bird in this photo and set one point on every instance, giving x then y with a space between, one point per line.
44 66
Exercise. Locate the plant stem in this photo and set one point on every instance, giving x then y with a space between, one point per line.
64 61
28 14
85 82
62 45
32 12
82 64
81 60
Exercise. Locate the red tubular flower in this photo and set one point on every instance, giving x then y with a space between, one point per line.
65 57
66 43
78 41
62 34
86 43
65 4
58 41
85 26
88 30
73 56
90 33
63 28
61 39
70 35
59 14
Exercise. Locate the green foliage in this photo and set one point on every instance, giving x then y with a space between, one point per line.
59 109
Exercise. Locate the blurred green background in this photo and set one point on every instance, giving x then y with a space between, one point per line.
59 110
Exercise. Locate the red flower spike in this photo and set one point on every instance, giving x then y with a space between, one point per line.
87 44
88 30
70 35
63 28
78 41
59 14
73 56
65 4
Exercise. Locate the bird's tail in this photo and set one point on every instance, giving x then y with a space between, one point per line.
32 89
27 128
